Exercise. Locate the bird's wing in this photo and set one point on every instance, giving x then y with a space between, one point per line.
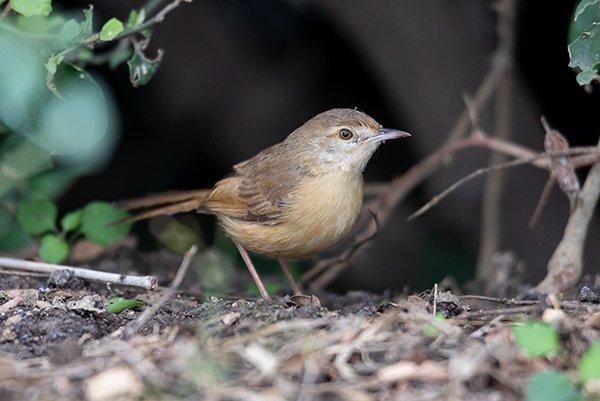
261 189
240 198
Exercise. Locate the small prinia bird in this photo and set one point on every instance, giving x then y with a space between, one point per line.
293 199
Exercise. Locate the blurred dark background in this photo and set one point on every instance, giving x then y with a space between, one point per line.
239 75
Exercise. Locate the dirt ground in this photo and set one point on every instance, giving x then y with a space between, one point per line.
58 342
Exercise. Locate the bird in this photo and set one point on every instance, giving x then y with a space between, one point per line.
291 200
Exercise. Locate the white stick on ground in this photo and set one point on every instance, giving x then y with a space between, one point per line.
147 282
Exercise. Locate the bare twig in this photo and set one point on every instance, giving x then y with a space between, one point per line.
566 264
133 326
125 36
491 226
147 282
484 170
159 17
542 202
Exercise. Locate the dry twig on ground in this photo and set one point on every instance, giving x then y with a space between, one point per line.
133 326
147 282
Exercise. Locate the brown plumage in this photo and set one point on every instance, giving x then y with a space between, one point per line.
293 199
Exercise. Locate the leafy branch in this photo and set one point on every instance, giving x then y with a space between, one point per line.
51 106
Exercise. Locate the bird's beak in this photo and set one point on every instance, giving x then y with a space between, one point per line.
383 134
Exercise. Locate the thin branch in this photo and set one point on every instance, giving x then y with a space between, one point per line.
542 202
484 170
147 282
94 40
159 17
133 326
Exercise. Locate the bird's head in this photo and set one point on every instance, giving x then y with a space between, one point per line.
343 138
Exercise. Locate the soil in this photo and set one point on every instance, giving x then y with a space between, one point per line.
58 342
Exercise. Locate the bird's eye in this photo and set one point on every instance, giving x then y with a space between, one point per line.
346 134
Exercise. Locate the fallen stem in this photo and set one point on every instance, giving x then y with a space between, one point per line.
147 282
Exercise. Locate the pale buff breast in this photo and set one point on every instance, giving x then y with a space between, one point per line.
322 214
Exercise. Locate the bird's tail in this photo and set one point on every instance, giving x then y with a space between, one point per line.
164 204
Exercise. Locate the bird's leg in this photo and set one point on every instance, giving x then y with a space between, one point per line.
287 273
253 272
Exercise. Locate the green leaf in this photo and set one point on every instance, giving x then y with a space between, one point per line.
582 8
98 223
53 249
69 33
136 18
71 221
537 339
551 386
118 304
589 365
29 8
111 29
585 54
141 68
586 13
432 330
37 216
584 41
48 27
586 77
87 26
